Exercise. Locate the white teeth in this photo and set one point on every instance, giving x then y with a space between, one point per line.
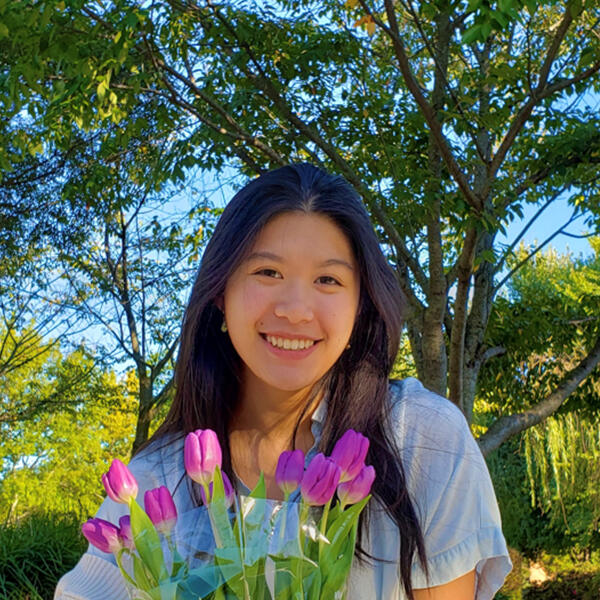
288 344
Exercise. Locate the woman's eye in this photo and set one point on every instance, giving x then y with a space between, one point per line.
269 273
328 280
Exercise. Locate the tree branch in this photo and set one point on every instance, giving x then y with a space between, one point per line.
457 338
535 96
492 353
522 233
530 256
506 427
426 109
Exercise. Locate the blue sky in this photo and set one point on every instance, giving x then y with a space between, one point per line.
549 221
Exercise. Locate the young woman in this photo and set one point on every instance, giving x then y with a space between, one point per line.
288 340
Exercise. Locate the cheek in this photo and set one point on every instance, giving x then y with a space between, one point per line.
246 301
340 316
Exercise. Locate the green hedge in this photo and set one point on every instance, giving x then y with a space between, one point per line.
35 552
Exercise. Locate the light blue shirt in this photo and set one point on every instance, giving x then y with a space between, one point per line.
447 480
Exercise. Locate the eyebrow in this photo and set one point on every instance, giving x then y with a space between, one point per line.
274 257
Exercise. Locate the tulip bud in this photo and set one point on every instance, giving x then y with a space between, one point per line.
125 534
320 480
290 469
161 509
353 491
228 488
349 453
201 455
119 483
102 534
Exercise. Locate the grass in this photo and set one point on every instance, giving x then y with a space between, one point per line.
570 578
35 552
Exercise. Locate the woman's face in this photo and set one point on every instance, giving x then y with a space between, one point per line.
290 306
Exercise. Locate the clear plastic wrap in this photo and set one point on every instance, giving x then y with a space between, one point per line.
271 554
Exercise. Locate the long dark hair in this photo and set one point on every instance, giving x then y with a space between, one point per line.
207 374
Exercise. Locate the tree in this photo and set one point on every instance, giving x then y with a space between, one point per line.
131 282
63 419
545 320
544 324
446 116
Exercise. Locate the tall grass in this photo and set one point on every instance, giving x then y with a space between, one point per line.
35 552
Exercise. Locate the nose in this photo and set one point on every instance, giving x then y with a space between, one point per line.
294 304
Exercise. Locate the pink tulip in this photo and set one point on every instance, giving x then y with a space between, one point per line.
320 480
290 469
102 534
227 487
351 492
119 483
125 534
349 453
202 455
161 509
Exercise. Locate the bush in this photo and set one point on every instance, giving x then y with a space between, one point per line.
525 527
35 552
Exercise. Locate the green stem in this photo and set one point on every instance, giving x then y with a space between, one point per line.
323 528
303 516
125 574
283 520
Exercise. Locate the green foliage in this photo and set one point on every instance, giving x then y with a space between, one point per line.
447 127
548 487
35 552
525 527
546 323
575 583
563 466
62 423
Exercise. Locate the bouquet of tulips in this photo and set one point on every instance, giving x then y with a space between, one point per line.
241 547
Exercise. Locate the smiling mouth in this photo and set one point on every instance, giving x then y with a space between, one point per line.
287 344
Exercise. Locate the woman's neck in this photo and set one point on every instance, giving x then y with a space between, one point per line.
263 426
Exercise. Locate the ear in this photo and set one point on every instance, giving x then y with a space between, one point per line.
219 303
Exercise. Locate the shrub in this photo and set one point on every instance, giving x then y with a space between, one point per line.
35 551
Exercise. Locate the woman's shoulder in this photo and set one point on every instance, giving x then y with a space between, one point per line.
163 454
417 412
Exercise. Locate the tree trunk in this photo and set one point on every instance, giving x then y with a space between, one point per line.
435 358
477 322
142 427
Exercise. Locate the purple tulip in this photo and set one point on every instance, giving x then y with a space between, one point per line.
226 486
125 533
320 480
353 491
119 483
290 469
161 509
102 534
349 453
201 455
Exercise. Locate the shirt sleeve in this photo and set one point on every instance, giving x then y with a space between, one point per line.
452 492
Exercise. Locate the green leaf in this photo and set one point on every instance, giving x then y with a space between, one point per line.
147 542
143 578
337 555
101 89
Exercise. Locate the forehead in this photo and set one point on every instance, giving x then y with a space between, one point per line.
313 234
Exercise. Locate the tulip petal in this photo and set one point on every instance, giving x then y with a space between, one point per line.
102 534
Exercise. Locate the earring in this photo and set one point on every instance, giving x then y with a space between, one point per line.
348 347
224 325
